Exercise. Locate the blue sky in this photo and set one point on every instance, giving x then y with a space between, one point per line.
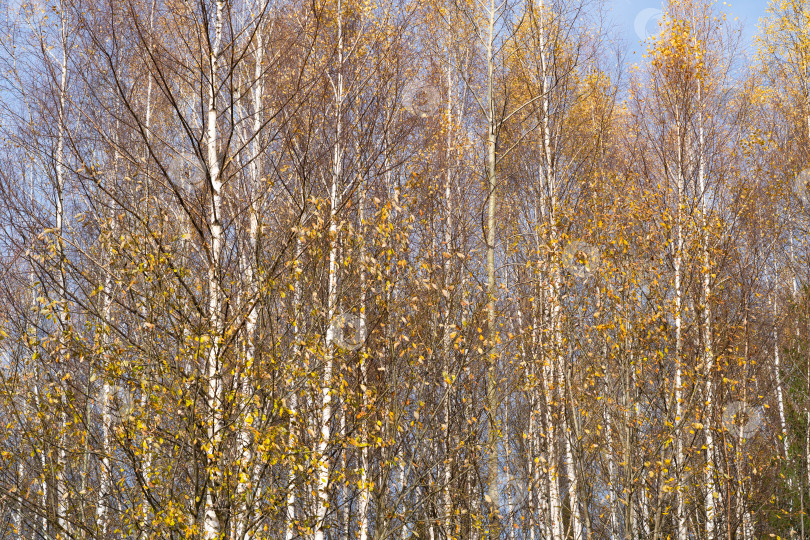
629 17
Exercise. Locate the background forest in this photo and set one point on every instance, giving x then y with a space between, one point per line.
342 269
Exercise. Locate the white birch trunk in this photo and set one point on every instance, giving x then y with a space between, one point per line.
343 518
777 372
105 474
147 458
708 346
289 522
43 463
510 506
534 474
403 533
322 467
491 450
571 474
548 497
553 396
552 452
16 509
748 525
211 524
629 381
447 505
32 343
741 528
105 480
612 477
807 446
680 505
61 463
249 258
365 492
363 482
644 509
531 483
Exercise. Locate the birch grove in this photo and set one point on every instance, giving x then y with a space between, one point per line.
339 270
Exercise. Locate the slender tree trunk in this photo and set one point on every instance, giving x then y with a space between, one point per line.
61 464
611 452
343 514
447 507
491 452
557 399
552 450
211 524
708 345
43 463
527 511
403 533
510 475
571 474
16 508
535 506
680 503
322 468
644 504
363 482
250 257
147 458
806 447
105 474
289 521
807 422
742 530
777 372
806 411
33 341
548 497
628 382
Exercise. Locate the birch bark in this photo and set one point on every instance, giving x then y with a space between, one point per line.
61 464
250 256
322 467
680 504
491 452
447 506
555 297
708 345
211 525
